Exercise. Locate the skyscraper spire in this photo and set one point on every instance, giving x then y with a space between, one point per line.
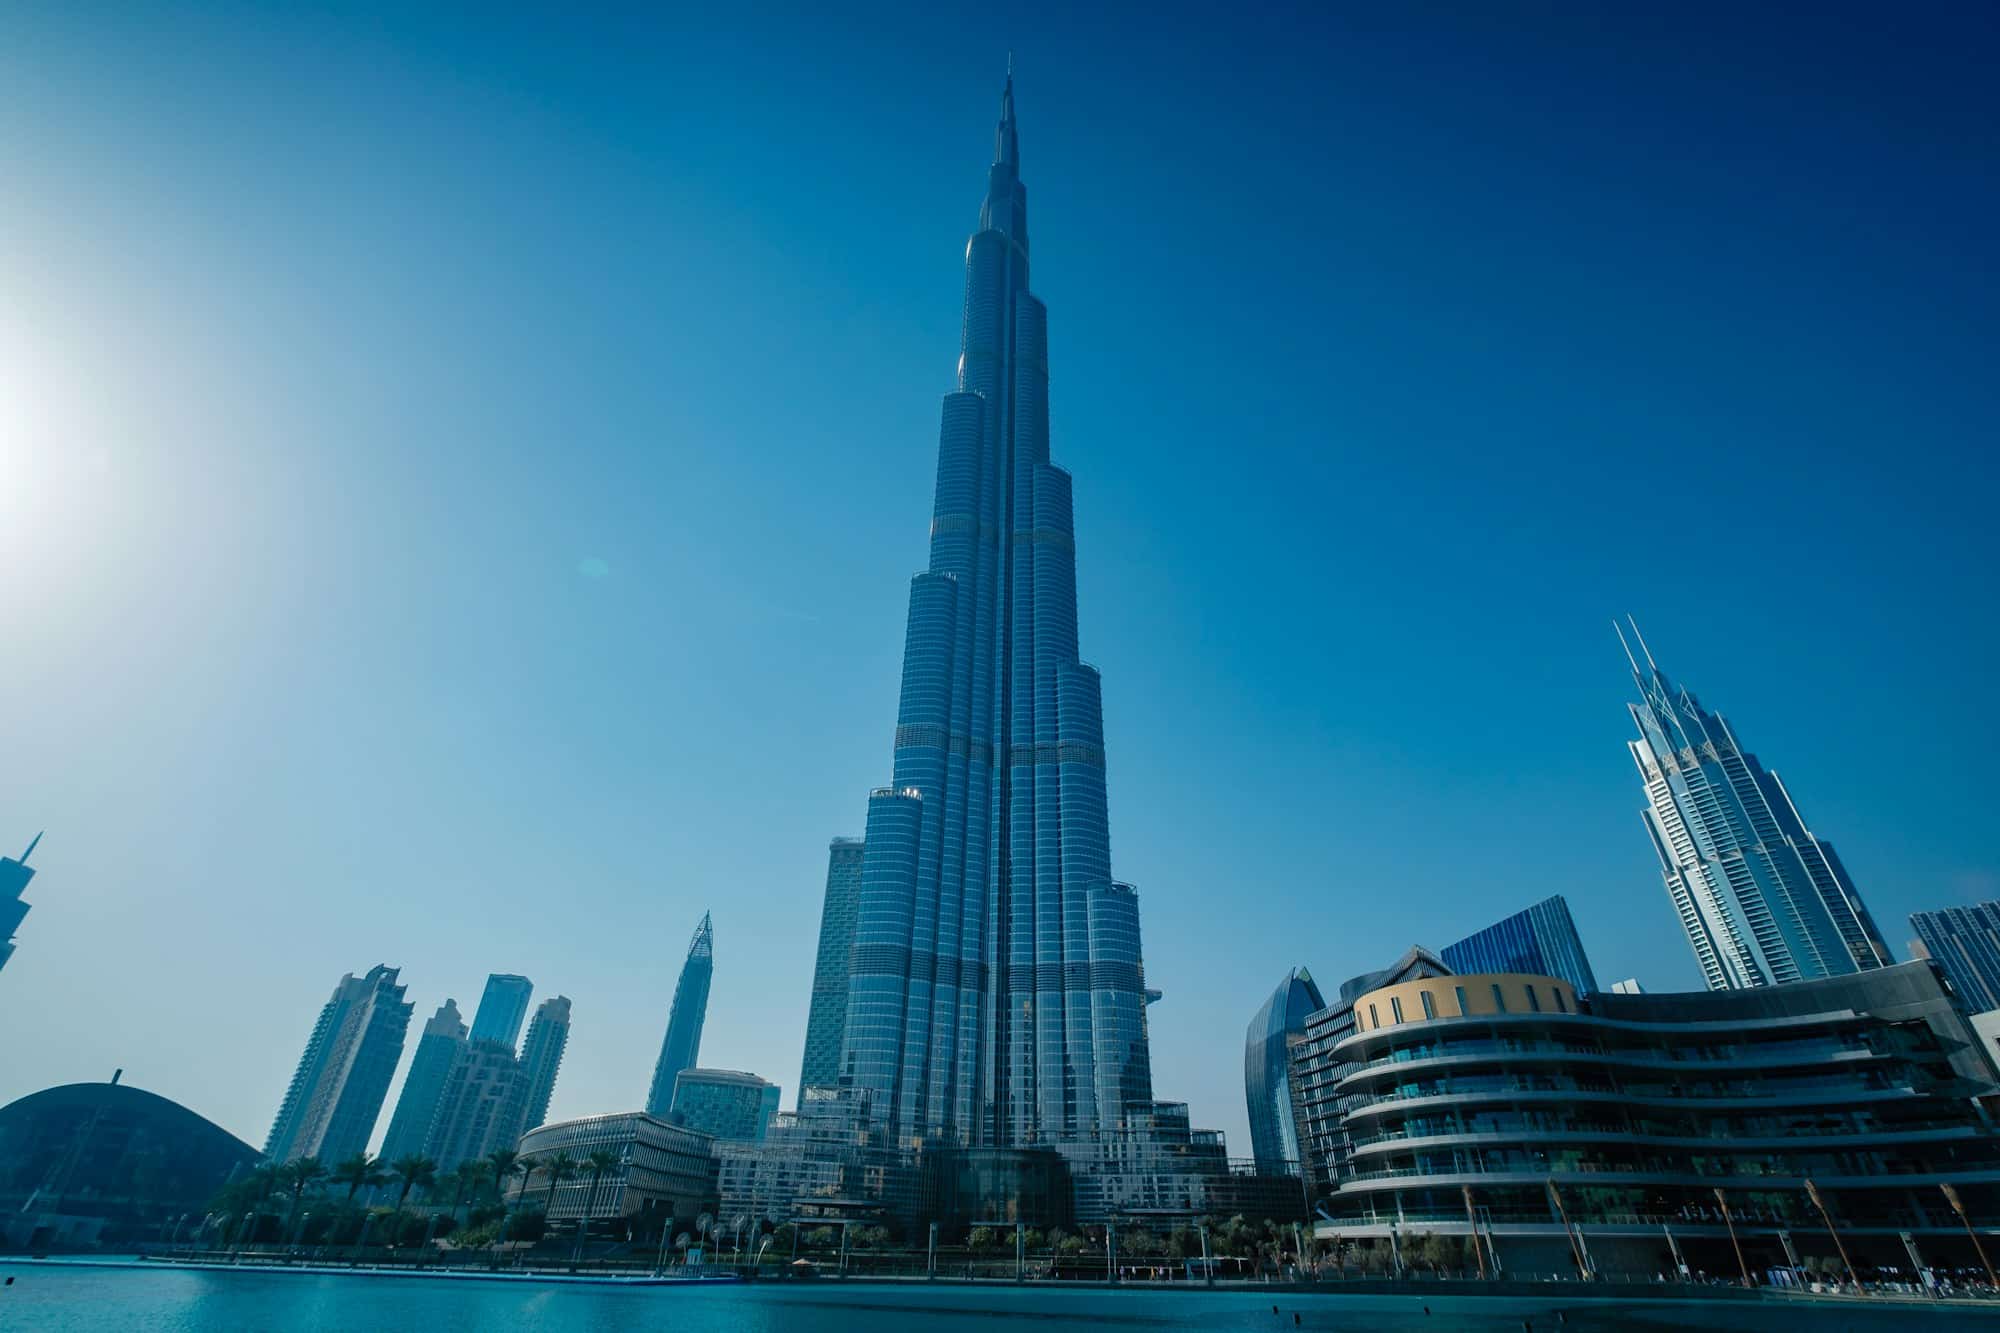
31 847
1006 143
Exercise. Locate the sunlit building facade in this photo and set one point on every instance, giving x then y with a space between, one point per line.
996 993
1763 901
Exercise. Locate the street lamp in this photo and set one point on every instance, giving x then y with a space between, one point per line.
1951 1197
1812 1192
1722 1201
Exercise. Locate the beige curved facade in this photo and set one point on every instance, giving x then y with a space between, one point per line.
1479 996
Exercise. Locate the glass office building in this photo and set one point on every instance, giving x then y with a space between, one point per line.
681 1047
996 994
1542 940
826 1023
1965 942
1762 900
502 1009
1268 1090
725 1103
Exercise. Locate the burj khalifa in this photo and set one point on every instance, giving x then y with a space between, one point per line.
996 993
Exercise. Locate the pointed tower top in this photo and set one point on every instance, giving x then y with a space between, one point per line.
1006 143
703 943
31 847
1642 643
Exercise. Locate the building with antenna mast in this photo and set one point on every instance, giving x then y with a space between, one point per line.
1762 900
14 877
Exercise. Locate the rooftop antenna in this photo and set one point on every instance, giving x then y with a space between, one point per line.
31 847
1616 629
1642 643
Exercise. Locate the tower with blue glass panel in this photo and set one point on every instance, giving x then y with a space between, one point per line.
996 994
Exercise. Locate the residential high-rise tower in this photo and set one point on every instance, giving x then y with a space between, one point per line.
541 1059
1965 942
996 993
14 877
827 1021
336 1094
416 1106
1762 900
682 1045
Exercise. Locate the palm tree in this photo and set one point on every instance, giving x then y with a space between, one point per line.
356 1171
413 1171
559 1168
501 1163
599 1161
465 1181
299 1177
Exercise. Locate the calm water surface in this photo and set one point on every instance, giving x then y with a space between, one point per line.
113 1300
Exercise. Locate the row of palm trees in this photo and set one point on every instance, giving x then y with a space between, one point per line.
466 1182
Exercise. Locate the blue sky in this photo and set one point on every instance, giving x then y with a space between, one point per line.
459 473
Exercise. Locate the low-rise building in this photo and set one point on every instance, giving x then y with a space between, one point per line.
824 1160
663 1171
726 1103
1612 1131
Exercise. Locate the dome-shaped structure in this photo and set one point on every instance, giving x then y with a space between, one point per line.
127 1157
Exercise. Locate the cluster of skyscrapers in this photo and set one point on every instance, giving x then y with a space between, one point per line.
977 1045
467 1093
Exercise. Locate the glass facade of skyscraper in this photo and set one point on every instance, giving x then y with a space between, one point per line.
996 994
681 1047
1268 1092
827 1021
1762 900
1541 940
1965 942
502 1009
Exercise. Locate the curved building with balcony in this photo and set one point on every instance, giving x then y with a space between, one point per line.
1612 1130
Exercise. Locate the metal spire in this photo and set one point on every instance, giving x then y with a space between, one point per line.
1006 143
1642 643
31 847
1620 632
